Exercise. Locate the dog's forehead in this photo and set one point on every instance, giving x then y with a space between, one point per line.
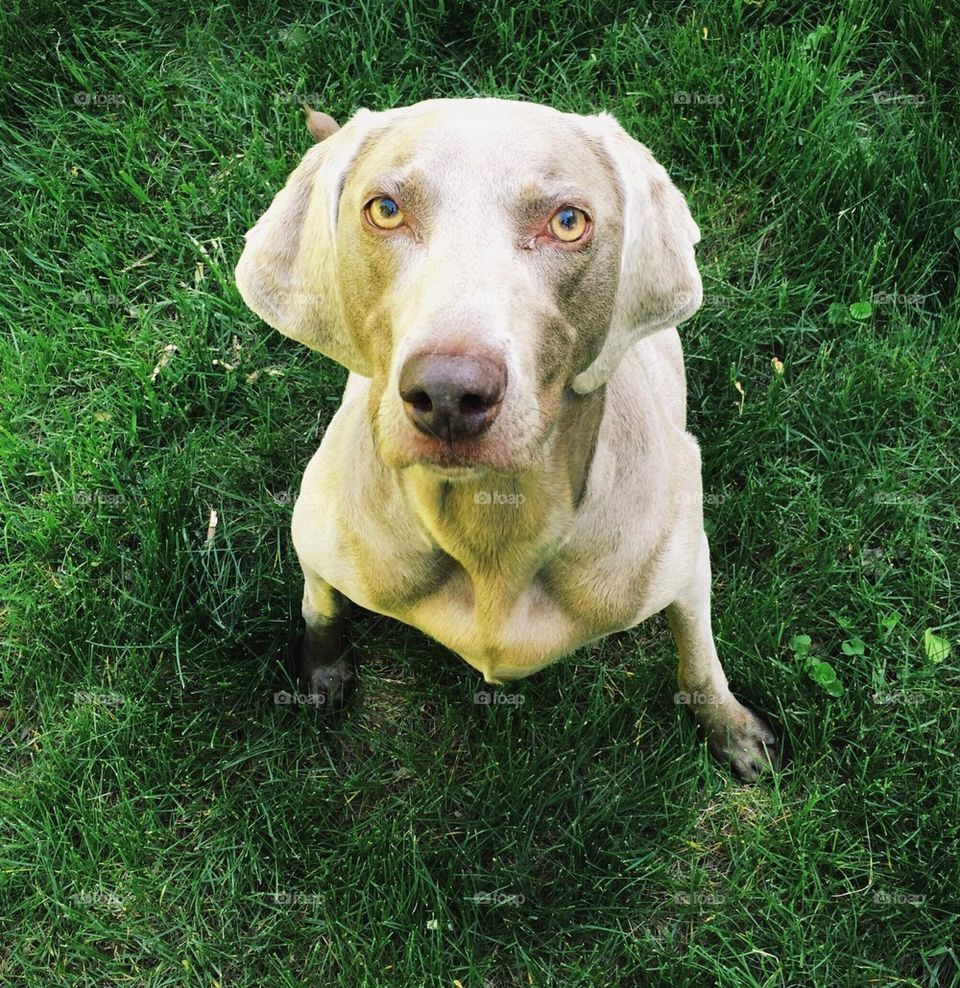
482 141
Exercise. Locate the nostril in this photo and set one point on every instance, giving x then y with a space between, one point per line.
420 401
471 404
452 396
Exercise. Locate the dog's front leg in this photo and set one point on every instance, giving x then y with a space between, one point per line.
734 733
324 669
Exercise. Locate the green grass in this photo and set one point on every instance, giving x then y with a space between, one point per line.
165 823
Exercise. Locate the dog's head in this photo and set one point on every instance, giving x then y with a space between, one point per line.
476 259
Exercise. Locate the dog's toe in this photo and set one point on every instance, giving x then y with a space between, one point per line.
754 755
743 740
328 686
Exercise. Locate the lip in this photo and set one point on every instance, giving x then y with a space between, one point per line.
460 458
450 456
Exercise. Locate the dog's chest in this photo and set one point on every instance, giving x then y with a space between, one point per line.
519 611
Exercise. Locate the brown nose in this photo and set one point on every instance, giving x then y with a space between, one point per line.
452 396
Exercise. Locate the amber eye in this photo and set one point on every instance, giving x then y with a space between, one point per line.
568 224
384 213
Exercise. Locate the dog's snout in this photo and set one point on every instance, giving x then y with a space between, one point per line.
452 396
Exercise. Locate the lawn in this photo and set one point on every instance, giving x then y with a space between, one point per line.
164 822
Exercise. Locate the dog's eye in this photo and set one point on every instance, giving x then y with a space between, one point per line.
384 213
568 224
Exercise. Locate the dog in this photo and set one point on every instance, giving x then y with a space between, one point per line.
509 470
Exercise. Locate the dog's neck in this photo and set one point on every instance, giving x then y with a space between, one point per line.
490 522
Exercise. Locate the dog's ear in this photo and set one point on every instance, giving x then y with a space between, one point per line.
659 285
321 125
288 270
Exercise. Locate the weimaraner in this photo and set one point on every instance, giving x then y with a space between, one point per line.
509 469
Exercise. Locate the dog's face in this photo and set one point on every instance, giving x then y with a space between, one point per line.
476 259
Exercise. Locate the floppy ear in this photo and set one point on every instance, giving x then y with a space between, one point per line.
659 284
321 125
288 270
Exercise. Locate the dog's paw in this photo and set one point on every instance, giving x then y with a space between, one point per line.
739 737
324 670
327 686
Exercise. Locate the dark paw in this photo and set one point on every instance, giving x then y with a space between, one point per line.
328 686
324 670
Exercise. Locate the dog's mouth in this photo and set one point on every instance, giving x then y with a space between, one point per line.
453 460
501 448
452 457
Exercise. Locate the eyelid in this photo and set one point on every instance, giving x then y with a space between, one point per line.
570 200
385 189
587 214
368 200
